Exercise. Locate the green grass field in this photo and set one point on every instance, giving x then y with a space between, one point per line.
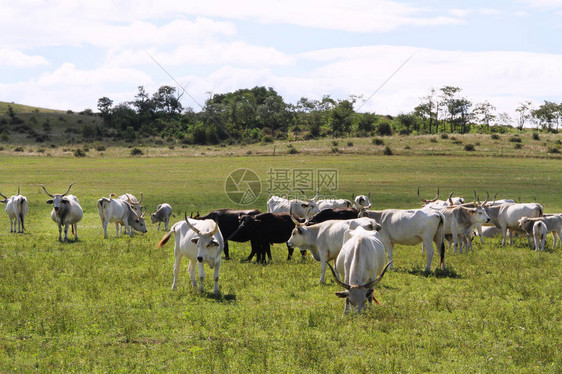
106 305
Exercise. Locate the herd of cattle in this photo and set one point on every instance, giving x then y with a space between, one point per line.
344 231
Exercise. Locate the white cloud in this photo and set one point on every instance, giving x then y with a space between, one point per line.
68 75
17 59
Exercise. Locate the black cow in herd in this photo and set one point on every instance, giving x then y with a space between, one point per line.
264 229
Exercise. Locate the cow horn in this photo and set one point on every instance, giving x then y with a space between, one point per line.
131 201
67 191
142 197
353 196
449 199
19 192
44 189
338 281
374 282
422 199
297 223
4 196
369 195
191 226
317 194
214 229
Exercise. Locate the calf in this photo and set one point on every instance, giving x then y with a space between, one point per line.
201 242
228 221
162 214
66 212
553 224
360 260
16 208
539 235
264 229
121 213
324 240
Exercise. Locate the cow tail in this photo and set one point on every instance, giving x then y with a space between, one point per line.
540 210
22 207
167 237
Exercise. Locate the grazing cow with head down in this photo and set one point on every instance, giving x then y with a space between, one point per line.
228 221
201 242
360 260
330 214
162 214
324 240
121 213
17 208
460 222
66 212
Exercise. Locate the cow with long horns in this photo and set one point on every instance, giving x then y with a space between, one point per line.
17 208
66 211
301 208
360 260
201 242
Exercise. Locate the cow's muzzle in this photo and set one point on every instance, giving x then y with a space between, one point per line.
200 259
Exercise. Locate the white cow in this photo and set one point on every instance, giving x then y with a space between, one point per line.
121 213
66 211
162 214
300 208
539 235
324 239
16 208
553 223
363 202
333 204
201 242
410 227
506 216
460 222
440 204
360 260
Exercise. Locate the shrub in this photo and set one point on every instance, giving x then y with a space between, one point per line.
536 136
350 144
469 147
515 139
433 140
293 151
100 148
553 150
377 141
387 151
444 136
136 152
518 145
495 136
18 149
335 143
267 139
384 129
79 153
407 147
335 150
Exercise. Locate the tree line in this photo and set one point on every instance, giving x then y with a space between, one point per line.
260 114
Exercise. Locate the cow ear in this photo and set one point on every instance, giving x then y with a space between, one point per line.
50 201
304 205
194 240
472 211
342 294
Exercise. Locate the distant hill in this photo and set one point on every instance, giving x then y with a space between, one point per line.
32 125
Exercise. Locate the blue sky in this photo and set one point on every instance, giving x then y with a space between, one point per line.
67 54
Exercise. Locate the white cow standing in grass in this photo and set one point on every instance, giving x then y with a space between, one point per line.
361 262
16 208
66 212
121 213
201 242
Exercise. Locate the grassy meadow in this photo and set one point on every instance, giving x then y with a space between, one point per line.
106 305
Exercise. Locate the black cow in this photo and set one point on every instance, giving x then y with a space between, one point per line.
228 221
265 229
337 213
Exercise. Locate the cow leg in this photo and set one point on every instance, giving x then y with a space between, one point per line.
177 270
389 250
428 244
225 250
255 249
323 270
166 224
158 227
116 229
66 232
268 252
555 236
201 275
75 230
504 232
216 277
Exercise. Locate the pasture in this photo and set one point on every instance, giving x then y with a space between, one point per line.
106 305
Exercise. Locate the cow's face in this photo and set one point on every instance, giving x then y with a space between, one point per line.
153 218
363 201
208 248
479 215
139 224
58 201
357 297
297 238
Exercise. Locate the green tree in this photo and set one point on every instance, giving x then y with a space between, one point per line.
105 105
484 113
342 117
524 114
